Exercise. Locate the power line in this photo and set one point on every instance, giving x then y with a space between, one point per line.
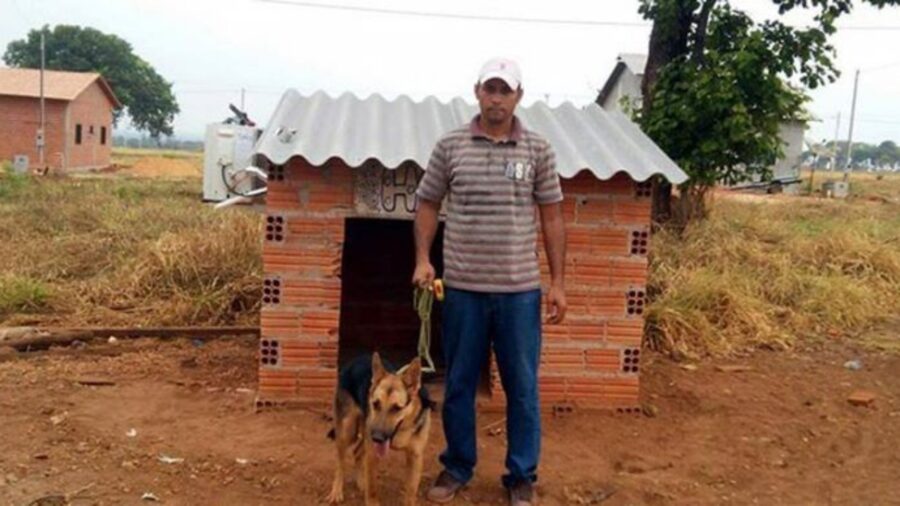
450 15
881 67
510 19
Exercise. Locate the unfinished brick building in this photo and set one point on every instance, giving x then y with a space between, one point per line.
338 251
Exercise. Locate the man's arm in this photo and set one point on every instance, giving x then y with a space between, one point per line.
555 243
425 229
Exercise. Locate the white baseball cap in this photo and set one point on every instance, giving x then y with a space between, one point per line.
501 68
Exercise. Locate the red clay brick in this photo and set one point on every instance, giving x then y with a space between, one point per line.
628 271
312 292
625 332
620 184
593 211
597 240
559 359
602 360
631 212
281 260
279 323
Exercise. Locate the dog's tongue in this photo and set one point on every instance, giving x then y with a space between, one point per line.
381 449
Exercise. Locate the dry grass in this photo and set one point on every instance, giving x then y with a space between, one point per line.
118 251
120 154
770 271
761 272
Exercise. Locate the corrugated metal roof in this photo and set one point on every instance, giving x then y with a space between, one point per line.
319 127
58 85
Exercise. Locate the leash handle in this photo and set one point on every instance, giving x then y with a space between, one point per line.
423 300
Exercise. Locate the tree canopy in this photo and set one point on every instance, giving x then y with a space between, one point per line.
147 98
718 84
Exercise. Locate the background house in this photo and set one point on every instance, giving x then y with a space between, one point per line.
622 92
78 117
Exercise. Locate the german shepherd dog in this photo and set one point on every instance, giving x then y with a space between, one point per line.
378 408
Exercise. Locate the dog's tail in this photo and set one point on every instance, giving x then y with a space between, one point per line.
331 434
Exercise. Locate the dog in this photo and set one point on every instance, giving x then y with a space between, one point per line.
376 409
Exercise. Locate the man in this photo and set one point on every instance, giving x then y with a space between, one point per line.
493 172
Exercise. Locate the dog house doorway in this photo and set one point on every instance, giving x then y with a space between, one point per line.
377 311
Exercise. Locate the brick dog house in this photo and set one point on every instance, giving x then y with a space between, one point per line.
338 246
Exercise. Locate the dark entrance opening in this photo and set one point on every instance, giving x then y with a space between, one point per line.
377 311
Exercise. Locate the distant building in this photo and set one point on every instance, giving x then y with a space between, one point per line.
622 91
78 118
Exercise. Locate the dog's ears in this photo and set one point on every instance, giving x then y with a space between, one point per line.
378 371
412 375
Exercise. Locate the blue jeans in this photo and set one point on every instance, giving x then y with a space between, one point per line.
470 321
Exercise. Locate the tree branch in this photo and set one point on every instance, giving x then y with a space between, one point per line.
700 33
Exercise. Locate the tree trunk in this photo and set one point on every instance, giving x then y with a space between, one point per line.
668 41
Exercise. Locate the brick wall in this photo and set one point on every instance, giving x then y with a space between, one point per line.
591 361
306 209
93 111
20 118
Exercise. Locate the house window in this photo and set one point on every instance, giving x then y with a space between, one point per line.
78 133
103 135
91 129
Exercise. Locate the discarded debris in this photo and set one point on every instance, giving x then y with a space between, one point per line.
189 363
496 423
165 459
689 367
853 365
861 398
112 340
734 368
60 418
650 410
95 382
242 462
14 333
131 432
59 499
588 496
50 500
149 496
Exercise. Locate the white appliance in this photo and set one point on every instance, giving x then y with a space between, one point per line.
227 153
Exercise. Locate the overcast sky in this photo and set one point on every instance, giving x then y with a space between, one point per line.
210 49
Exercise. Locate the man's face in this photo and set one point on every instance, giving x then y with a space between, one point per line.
497 100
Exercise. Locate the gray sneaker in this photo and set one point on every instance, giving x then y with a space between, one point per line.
522 494
444 489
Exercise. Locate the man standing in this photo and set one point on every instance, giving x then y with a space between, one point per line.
493 173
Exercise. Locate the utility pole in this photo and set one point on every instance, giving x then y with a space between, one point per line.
850 135
40 135
834 147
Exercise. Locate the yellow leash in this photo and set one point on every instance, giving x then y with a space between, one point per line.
423 300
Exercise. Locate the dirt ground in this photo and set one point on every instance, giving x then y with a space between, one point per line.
781 433
164 167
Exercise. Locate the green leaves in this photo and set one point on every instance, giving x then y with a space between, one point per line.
146 96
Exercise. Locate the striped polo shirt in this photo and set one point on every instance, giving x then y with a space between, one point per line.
490 234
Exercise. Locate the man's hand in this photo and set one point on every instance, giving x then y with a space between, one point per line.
423 277
556 305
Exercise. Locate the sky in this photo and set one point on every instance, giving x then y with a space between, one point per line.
211 49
